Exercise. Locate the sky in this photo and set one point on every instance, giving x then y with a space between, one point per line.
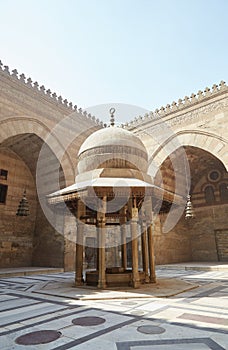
135 55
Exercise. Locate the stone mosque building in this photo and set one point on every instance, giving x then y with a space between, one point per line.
186 145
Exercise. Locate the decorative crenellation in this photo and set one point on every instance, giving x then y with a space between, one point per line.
178 106
48 93
153 115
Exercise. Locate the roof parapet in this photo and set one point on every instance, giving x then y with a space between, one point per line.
180 105
47 93
158 113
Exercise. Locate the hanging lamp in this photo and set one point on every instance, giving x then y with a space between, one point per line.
189 211
23 207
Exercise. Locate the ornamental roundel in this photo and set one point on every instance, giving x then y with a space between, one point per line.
214 176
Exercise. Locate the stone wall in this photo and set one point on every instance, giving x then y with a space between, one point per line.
48 243
28 115
200 122
173 246
203 232
198 125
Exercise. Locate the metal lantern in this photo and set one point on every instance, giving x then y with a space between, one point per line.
189 211
23 208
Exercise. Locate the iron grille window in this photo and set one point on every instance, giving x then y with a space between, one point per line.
209 195
3 193
3 174
223 190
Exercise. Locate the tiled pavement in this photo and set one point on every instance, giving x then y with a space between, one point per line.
193 320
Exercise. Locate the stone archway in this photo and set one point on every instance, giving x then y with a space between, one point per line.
29 240
24 125
200 239
209 142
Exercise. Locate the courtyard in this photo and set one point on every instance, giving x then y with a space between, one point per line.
42 310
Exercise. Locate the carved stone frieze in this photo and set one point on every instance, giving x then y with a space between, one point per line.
201 111
186 118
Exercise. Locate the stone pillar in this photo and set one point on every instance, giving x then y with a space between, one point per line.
101 245
134 244
151 252
145 254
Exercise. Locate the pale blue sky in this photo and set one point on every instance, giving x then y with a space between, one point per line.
146 53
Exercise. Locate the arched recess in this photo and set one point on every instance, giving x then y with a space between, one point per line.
209 194
21 140
204 238
209 142
25 125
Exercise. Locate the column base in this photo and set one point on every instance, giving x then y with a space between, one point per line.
153 279
135 284
101 284
147 279
79 282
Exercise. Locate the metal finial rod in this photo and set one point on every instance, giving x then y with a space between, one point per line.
112 119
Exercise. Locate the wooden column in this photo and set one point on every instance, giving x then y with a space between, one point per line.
101 245
151 252
123 240
97 233
145 254
124 247
79 246
134 244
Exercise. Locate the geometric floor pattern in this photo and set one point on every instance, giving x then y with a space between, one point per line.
193 320
177 344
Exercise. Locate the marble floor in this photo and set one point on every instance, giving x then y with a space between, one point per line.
47 312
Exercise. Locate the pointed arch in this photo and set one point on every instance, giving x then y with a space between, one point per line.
209 142
25 125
